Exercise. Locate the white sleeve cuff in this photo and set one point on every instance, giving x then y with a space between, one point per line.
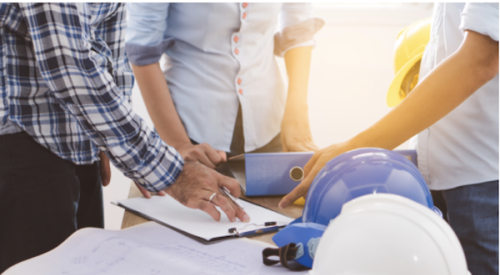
298 35
481 18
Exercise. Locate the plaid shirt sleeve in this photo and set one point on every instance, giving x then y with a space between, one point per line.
81 79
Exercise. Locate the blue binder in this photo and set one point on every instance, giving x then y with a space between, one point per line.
267 174
272 174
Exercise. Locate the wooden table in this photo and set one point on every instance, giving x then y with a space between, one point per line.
271 202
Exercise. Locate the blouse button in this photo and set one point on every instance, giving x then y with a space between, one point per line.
236 39
245 5
239 81
236 51
244 15
240 91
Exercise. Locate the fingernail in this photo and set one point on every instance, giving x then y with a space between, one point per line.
233 219
246 218
280 205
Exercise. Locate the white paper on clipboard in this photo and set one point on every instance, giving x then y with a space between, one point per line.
168 211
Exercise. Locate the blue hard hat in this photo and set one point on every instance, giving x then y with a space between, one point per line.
362 172
346 177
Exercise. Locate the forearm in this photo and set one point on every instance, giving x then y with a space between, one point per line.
444 89
161 108
295 131
298 63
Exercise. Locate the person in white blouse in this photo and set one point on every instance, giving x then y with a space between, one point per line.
454 111
221 90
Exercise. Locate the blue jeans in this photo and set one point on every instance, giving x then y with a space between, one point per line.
473 215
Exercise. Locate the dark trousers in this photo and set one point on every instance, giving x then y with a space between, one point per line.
238 142
43 199
473 215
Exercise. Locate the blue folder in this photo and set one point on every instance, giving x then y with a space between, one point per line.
267 174
272 174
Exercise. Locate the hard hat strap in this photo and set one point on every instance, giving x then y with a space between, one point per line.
286 256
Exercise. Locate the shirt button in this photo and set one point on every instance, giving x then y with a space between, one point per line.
236 39
245 5
239 81
236 51
240 91
244 15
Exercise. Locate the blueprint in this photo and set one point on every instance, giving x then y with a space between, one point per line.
147 249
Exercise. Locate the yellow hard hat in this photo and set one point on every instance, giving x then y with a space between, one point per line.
410 46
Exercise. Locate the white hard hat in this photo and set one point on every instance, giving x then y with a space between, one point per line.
386 234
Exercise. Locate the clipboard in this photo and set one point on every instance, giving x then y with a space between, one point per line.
200 226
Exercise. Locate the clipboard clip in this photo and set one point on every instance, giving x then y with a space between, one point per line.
263 228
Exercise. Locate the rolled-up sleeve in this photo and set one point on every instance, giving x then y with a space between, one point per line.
481 18
145 40
297 27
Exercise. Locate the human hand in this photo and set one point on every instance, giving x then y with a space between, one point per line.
296 133
146 193
104 169
204 153
196 185
312 168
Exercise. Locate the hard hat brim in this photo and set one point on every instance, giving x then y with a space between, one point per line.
393 95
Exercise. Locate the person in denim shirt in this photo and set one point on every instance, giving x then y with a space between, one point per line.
220 90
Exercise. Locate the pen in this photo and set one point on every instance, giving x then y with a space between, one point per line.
227 193
268 227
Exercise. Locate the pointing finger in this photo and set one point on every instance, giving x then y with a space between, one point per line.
311 163
224 204
298 191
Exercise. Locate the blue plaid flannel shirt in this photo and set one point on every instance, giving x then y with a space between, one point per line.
66 81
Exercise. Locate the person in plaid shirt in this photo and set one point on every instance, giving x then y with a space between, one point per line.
64 109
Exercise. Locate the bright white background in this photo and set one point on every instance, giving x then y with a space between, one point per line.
351 71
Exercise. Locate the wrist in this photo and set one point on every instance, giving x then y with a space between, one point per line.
183 146
359 141
296 108
296 96
370 138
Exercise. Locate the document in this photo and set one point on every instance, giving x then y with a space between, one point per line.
147 249
166 210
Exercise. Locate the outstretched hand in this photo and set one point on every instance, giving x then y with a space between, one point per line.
196 185
311 169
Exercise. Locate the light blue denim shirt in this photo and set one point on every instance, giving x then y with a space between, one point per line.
219 54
